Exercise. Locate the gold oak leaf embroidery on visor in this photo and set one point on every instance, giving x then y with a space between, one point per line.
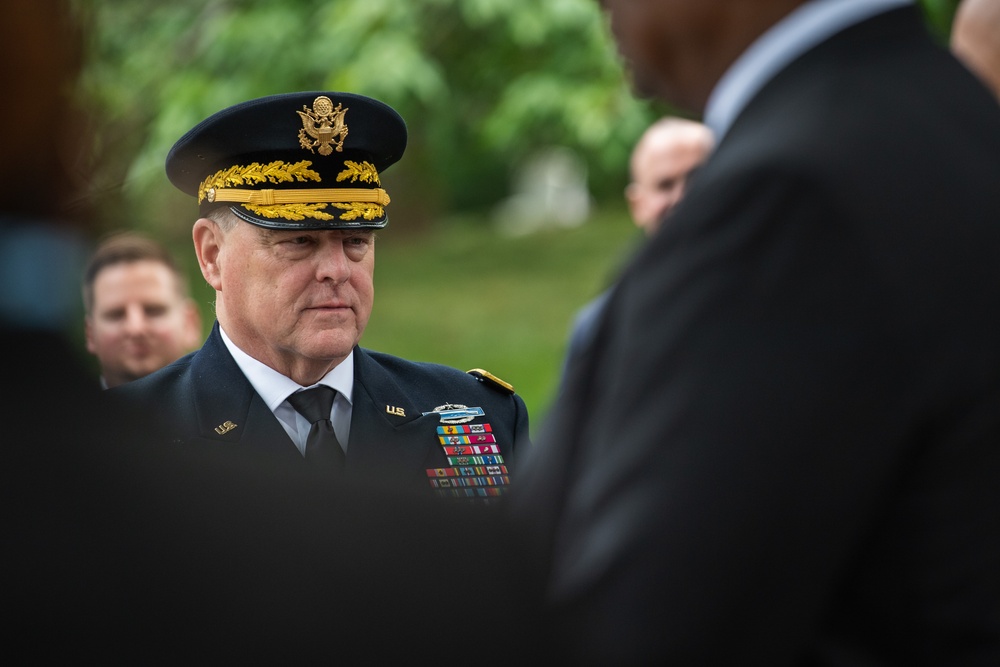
290 211
357 210
253 173
365 172
297 204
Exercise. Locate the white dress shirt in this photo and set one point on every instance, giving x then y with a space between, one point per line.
275 389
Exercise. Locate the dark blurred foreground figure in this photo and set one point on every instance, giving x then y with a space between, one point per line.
119 552
53 568
784 446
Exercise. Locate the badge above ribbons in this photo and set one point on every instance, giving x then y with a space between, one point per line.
478 470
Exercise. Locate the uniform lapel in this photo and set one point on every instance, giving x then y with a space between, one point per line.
227 409
387 428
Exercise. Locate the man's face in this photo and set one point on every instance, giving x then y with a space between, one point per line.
660 168
298 301
139 321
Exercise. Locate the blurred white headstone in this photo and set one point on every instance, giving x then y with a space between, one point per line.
549 191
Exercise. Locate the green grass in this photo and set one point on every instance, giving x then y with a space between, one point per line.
467 296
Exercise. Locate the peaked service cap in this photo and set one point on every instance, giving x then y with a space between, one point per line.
306 160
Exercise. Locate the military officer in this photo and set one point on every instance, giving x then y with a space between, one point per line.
289 192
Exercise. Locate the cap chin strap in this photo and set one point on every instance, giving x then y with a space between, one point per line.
304 196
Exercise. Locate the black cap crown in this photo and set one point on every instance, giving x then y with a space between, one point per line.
308 160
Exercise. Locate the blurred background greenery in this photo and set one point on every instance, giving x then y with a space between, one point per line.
464 276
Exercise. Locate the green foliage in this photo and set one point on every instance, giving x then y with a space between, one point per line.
939 14
481 84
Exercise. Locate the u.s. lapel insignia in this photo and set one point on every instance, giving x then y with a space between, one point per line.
225 427
396 411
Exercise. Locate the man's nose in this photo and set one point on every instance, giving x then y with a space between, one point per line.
135 318
333 263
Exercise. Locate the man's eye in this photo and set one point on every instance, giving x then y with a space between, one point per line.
357 247
362 241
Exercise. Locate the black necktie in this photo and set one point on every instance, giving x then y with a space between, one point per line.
322 447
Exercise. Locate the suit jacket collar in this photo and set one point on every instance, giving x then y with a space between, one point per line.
800 31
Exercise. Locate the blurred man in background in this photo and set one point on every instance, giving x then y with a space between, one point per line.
662 160
139 314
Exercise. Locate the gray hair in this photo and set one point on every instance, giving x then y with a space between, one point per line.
224 217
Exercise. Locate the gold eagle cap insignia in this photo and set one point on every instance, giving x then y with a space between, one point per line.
323 127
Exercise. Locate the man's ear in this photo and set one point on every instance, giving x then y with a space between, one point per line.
208 239
633 196
88 334
192 324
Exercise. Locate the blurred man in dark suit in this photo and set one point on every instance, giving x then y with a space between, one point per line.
782 448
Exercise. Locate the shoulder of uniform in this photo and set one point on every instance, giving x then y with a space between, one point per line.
491 380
